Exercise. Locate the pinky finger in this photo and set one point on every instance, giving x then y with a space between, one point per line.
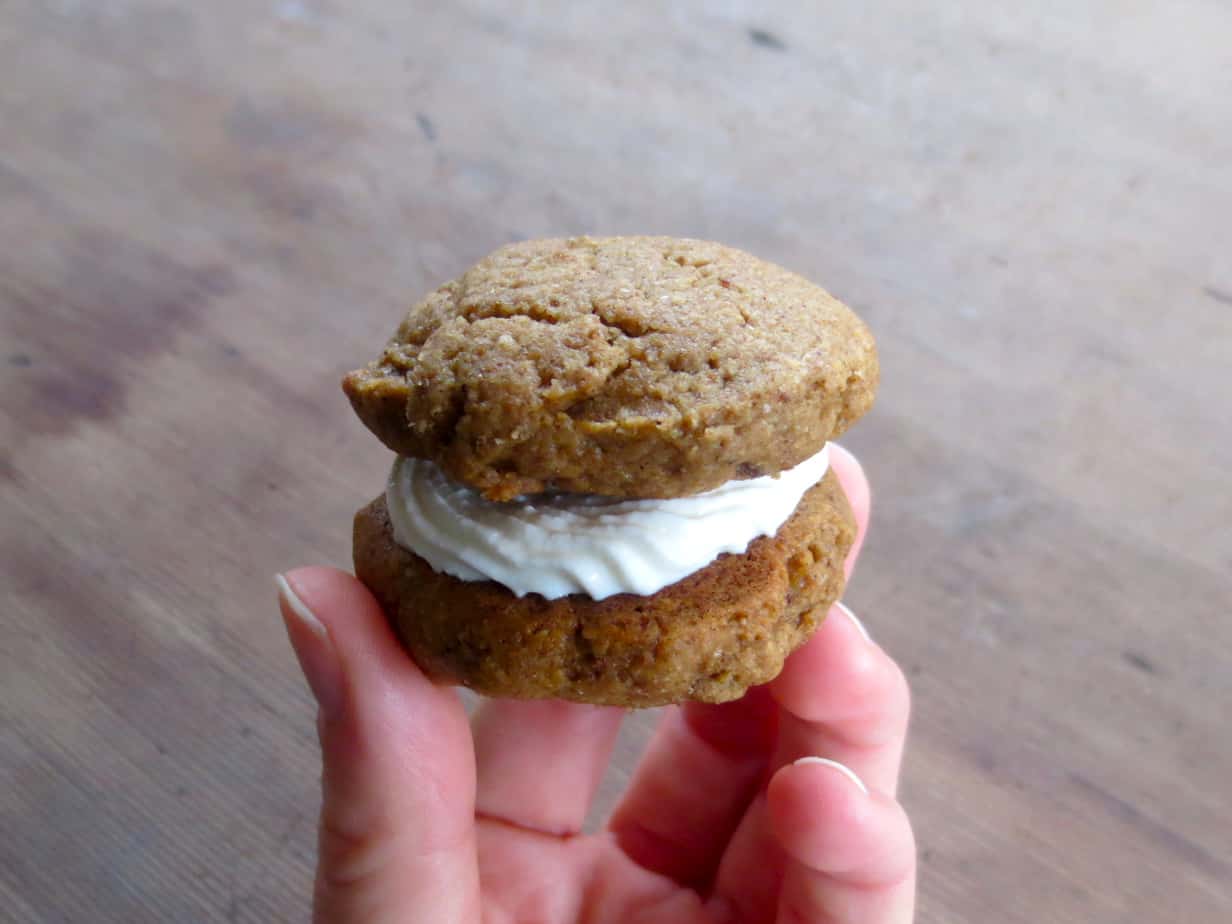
851 853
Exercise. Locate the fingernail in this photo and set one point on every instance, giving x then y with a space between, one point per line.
841 768
300 608
846 611
313 648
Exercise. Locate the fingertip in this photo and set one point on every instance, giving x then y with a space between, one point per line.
851 476
314 649
379 695
298 610
330 594
832 671
815 805
845 610
833 765
352 617
338 607
826 820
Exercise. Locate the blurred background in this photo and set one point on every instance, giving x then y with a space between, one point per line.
209 212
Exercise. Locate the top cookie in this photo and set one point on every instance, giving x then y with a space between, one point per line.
627 366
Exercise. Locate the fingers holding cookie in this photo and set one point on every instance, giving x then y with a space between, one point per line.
518 741
700 771
844 698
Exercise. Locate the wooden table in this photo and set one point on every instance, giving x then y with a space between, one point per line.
209 211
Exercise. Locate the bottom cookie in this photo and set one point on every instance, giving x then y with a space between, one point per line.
707 638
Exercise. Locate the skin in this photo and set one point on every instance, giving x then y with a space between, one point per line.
427 817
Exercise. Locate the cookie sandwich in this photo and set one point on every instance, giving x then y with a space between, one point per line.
612 479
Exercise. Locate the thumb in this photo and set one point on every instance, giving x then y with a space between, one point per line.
397 837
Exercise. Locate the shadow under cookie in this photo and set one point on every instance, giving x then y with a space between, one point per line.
707 638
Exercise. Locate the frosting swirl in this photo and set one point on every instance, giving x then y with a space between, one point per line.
560 544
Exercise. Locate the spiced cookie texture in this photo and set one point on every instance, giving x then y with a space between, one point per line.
634 367
557 376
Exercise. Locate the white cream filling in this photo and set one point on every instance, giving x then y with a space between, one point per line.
560 544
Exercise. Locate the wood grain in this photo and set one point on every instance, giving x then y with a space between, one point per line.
208 212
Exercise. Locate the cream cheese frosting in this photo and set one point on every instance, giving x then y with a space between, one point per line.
560 544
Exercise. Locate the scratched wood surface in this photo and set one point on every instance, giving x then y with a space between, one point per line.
209 211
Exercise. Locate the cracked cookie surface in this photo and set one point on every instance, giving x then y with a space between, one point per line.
625 366
707 637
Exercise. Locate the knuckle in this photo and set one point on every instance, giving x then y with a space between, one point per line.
867 673
349 859
899 696
900 869
886 705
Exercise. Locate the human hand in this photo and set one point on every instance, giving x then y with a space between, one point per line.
730 818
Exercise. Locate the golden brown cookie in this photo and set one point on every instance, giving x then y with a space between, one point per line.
707 637
626 366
